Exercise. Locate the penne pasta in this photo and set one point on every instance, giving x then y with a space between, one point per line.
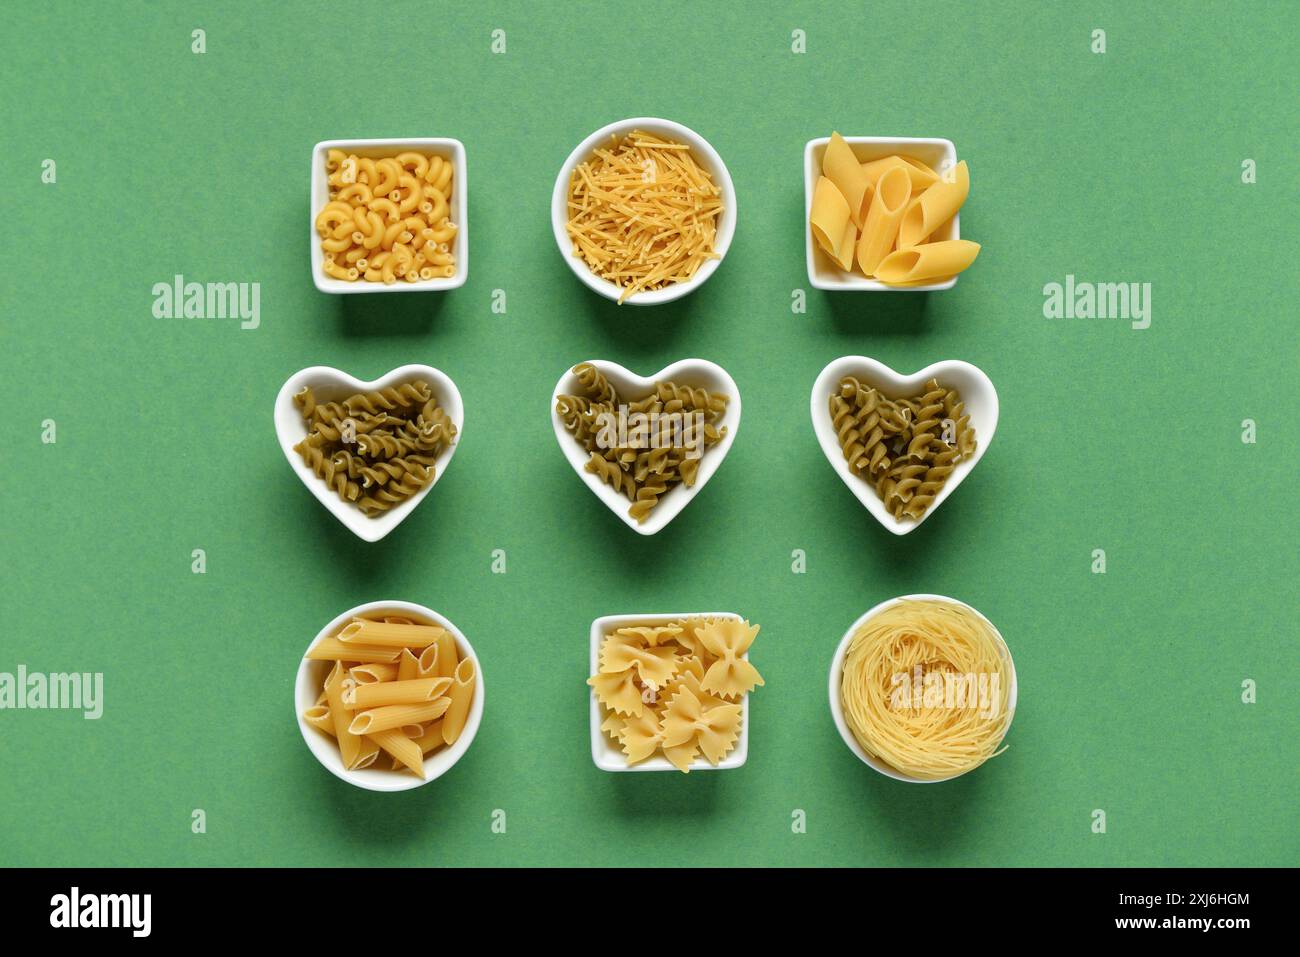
384 634
830 218
331 649
408 666
432 738
461 694
349 743
920 175
447 656
368 756
368 674
843 169
881 227
928 261
416 691
318 716
387 714
401 747
426 665
395 716
934 207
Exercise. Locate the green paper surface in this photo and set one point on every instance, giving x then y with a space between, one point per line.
1117 167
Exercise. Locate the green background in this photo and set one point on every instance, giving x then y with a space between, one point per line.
1117 167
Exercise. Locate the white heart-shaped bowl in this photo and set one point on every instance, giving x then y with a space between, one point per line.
701 151
311 678
331 384
697 373
606 753
977 392
837 672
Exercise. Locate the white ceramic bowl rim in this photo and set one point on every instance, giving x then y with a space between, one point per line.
437 763
700 373
331 383
836 671
708 157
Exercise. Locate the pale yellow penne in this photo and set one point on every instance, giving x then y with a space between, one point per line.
381 694
461 695
432 738
331 649
385 634
448 656
843 169
934 207
881 228
349 742
397 715
829 218
929 261
400 747
920 175
318 716
427 664
408 666
368 674
368 756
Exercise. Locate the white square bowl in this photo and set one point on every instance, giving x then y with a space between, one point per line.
448 149
605 753
939 154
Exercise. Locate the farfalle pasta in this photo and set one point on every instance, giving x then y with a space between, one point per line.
676 688
375 449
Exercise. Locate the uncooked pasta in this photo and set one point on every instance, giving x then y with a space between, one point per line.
907 447
642 447
375 449
643 213
925 688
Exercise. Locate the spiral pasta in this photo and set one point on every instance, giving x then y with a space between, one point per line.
905 448
654 455
375 449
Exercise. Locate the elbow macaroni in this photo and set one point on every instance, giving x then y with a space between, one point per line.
388 218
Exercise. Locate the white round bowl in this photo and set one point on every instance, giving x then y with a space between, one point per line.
701 151
837 668
311 678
